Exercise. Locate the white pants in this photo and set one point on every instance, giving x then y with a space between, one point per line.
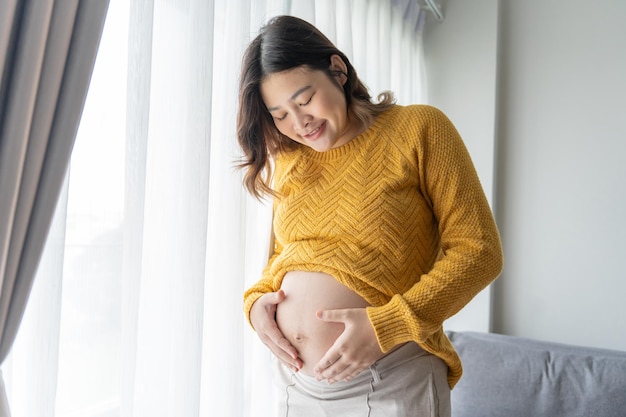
408 382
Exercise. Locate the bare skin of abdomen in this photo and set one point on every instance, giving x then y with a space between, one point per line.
306 294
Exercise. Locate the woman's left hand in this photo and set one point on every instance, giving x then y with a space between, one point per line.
353 351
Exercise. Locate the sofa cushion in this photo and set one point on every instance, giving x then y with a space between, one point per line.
511 376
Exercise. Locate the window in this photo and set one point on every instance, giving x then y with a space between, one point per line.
136 308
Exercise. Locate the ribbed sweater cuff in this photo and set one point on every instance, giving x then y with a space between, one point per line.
391 322
249 299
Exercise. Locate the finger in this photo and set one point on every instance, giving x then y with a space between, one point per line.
294 364
263 310
322 369
278 296
334 316
276 341
286 346
336 372
285 352
349 372
272 298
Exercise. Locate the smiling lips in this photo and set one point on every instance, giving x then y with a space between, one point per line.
313 134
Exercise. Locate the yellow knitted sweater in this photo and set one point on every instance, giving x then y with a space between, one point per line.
399 216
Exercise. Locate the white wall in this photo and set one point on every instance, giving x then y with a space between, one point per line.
561 171
559 181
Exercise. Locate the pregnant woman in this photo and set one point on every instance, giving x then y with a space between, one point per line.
381 231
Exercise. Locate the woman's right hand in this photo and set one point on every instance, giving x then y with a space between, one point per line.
263 319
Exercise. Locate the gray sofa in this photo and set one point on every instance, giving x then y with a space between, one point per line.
507 376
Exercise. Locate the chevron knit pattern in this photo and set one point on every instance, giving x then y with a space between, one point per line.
399 216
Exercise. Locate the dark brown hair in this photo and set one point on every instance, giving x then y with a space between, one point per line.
284 43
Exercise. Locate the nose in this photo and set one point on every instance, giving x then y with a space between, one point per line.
301 121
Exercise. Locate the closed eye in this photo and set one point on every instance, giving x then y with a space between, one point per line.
308 101
283 117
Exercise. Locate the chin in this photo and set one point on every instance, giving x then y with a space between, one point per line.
321 148
321 145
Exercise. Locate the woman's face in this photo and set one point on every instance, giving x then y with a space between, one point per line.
309 107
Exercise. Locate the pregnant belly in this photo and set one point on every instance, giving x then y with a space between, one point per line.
307 293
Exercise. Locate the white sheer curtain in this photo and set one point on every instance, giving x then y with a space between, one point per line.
137 306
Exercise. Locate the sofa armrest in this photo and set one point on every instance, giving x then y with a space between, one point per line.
507 376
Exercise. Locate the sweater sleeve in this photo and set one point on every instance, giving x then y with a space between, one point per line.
471 252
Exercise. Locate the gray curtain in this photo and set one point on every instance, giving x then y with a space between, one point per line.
47 54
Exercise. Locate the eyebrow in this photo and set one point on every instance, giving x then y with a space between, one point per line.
293 97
